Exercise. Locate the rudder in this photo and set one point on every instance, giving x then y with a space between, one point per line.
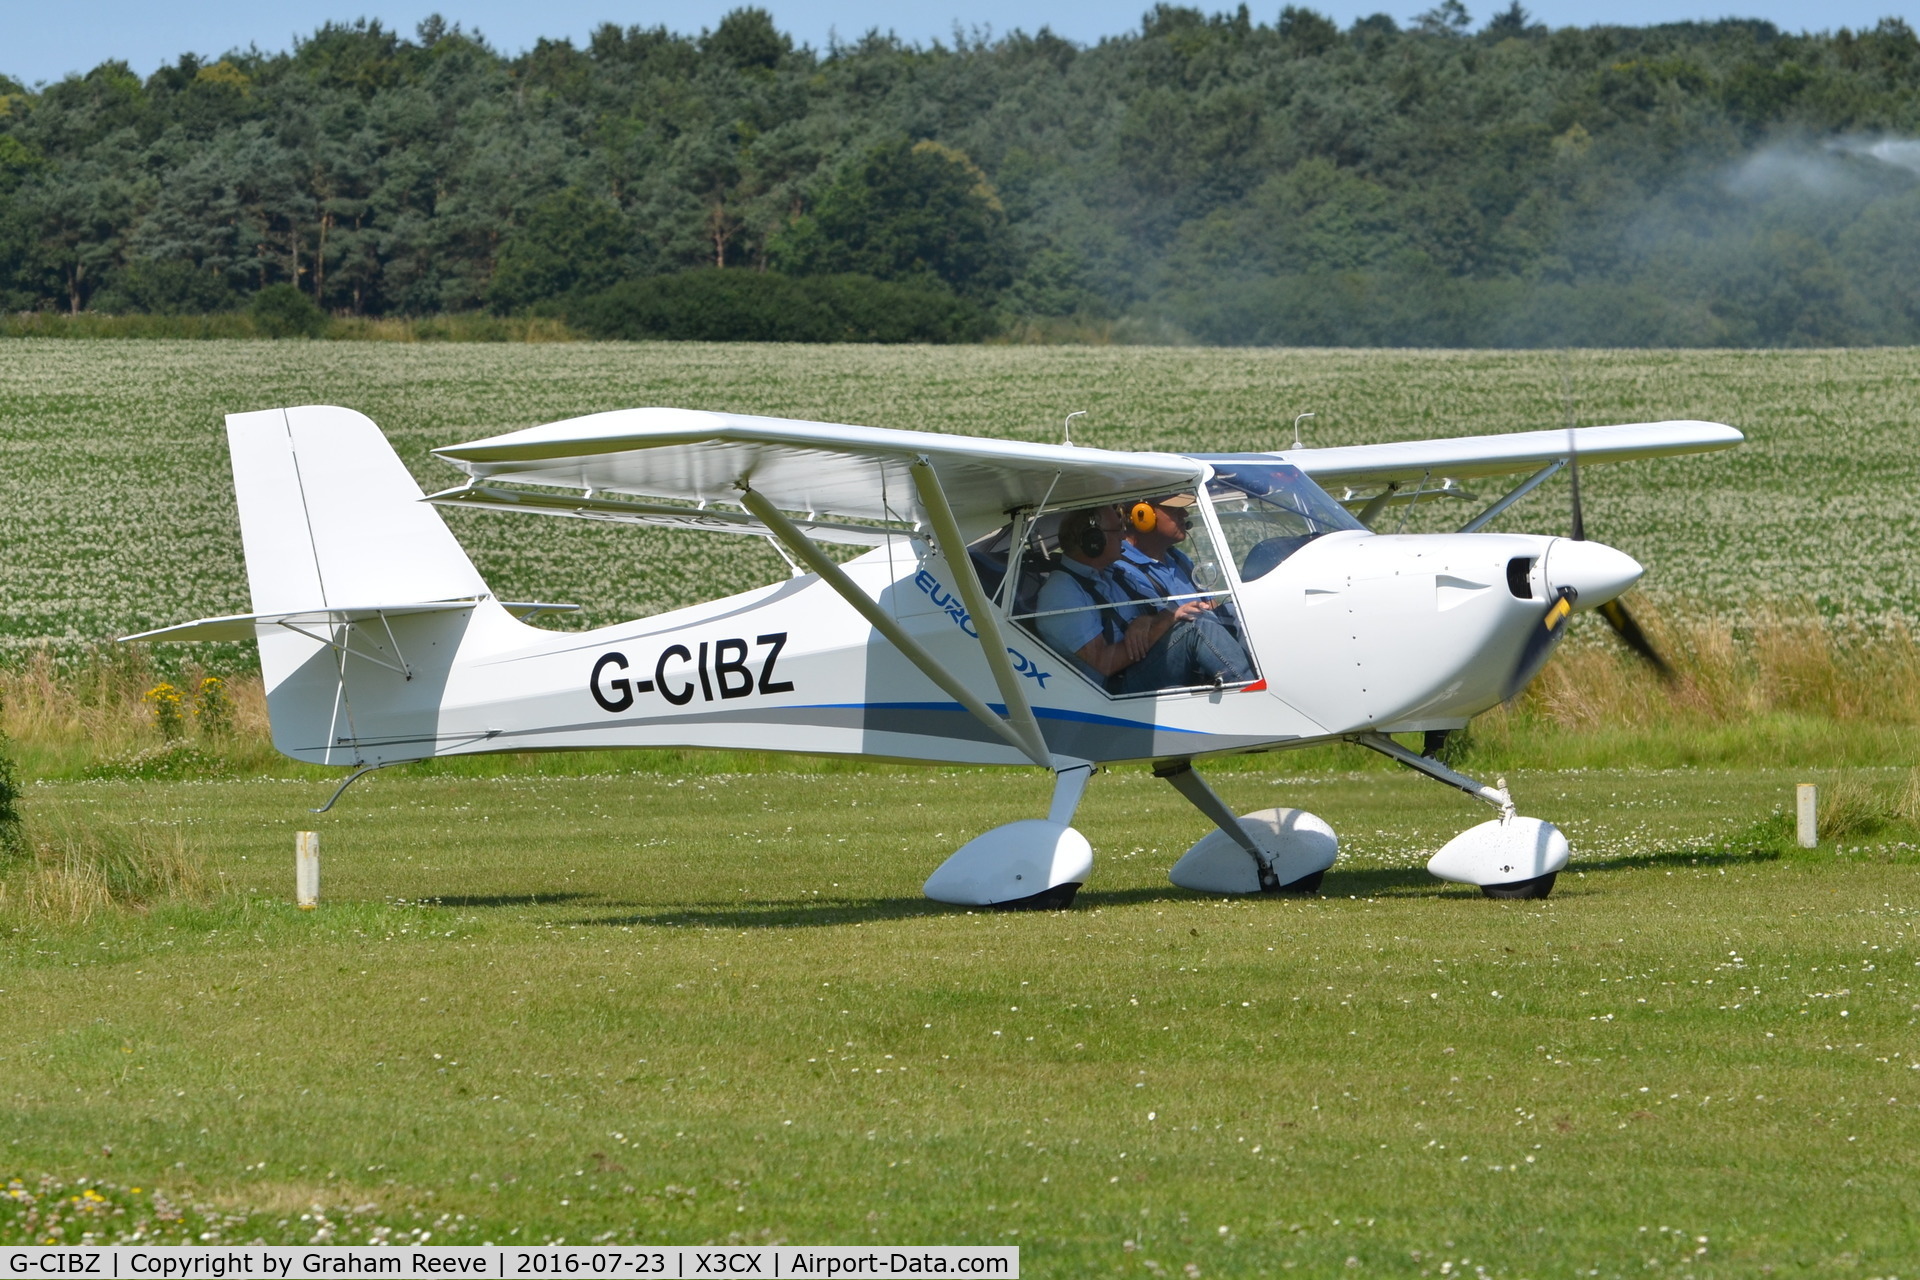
331 519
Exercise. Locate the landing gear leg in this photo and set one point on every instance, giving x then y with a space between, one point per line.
1286 850
1069 785
1510 857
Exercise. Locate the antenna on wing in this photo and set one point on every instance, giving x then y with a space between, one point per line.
1296 428
1066 428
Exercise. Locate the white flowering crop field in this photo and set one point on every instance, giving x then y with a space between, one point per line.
116 507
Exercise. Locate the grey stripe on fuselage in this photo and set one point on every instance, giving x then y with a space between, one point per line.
1087 740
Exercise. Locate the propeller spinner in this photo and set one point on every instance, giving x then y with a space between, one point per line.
1577 569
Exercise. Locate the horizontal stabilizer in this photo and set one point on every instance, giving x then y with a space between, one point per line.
246 626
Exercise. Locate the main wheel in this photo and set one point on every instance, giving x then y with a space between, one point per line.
1538 887
1299 847
1058 898
1305 885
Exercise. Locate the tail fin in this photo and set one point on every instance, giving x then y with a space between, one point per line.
332 521
331 517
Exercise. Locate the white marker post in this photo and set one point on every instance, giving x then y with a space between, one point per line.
306 869
1806 798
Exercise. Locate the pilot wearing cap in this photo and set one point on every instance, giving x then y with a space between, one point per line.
1152 568
1152 562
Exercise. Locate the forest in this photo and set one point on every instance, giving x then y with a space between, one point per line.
1211 178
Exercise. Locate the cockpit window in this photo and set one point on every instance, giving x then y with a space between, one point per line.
1268 511
1129 594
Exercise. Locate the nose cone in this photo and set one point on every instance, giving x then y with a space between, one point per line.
1596 572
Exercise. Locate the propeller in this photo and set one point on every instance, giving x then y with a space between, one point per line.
1613 611
1633 637
1540 641
1533 655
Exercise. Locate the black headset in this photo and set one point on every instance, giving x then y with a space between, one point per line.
1089 539
1093 540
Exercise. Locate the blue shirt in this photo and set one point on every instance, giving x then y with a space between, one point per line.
1078 586
1155 578
1173 576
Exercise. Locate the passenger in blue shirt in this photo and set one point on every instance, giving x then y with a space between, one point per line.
1152 566
1125 644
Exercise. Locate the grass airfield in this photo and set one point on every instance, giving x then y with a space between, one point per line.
715 1007
684 1005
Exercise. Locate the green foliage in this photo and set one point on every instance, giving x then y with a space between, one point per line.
905 210
747 39
172 287
47 1208
1698 184
450 326
213 708
765 306
1307 33
83 865
1448 18
1817 495
570 241
12 822
1511 21
577 966
283 311
169 762
168 706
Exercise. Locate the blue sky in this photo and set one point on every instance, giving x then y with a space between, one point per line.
46 39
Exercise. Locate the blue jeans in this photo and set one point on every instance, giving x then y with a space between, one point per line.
1198 651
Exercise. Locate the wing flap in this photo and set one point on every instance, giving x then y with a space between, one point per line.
830 471
658 514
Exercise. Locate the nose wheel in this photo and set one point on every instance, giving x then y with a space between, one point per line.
1510 857
1538 887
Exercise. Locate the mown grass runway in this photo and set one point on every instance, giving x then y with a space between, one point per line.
716 1007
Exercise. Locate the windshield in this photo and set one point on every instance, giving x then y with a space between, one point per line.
1268 511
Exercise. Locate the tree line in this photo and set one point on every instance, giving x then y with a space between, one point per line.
1206 177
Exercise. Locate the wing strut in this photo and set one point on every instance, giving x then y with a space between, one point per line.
835 577
986 621
1519 491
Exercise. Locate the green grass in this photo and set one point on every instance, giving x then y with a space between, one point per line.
716 1007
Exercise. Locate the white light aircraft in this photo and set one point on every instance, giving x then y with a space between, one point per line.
1049 606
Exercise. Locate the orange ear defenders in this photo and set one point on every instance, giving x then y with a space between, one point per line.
1143 516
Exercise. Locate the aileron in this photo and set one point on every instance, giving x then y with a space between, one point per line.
1465 457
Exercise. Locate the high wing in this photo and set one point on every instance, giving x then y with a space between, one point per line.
851 482
854 484
1369 476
